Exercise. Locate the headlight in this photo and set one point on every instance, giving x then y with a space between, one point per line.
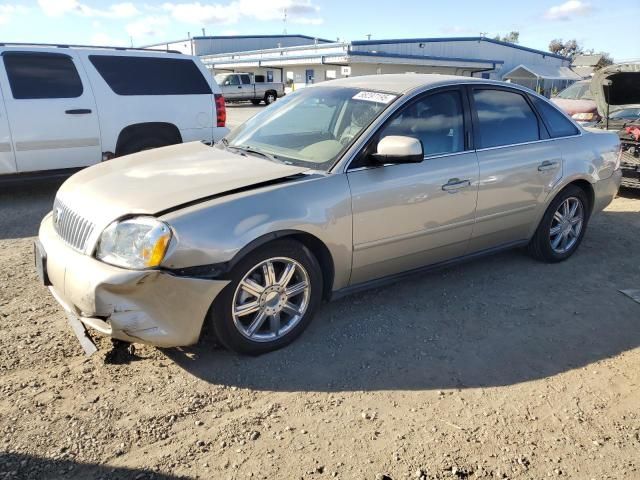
135 243
584 117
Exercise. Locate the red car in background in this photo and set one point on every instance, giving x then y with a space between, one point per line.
577 100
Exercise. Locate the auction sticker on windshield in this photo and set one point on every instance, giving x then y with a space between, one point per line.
375 97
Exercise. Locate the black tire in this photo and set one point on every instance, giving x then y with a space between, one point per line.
221 316
143 143
256 102
540 246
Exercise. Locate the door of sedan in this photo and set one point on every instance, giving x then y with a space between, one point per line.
406 216
519 165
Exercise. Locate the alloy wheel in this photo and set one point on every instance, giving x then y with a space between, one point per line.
566 225
271 299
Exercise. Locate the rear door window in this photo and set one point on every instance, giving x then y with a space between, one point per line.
246 80
42 75
504 118
557 124
150 75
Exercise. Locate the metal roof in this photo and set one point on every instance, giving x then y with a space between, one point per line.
586 60
458 39
232 37
224 37
550 72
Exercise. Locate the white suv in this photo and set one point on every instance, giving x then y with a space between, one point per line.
64 107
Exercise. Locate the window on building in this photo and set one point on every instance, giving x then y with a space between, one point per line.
505 118
437 121
150 75
42 75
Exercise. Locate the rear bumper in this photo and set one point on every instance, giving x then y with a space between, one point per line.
151 307
606 190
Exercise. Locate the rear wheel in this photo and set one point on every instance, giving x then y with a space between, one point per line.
562 227
273 295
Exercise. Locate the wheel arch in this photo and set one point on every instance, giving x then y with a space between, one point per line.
166 130
586 187
584 183
310 241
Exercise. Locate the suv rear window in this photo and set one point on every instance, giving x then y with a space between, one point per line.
556 123
150 75
505 118
42 75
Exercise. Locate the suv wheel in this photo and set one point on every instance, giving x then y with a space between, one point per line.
273 295
562 227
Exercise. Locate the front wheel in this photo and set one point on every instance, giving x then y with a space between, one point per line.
273 295
562 227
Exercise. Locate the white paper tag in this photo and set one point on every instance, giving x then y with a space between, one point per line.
375 97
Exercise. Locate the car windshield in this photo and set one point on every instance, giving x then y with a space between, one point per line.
577 91
311 127
626 114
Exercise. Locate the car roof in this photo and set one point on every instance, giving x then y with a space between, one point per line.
402 83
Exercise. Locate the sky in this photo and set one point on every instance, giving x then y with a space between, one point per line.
601 25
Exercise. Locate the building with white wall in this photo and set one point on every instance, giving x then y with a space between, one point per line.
301 65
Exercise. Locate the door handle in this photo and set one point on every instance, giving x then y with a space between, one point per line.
455 184
239 86
78 111
547 165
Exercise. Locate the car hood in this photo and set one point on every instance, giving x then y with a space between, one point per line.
572 107
162 179
624 90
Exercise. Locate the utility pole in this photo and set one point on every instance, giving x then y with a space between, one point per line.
284 21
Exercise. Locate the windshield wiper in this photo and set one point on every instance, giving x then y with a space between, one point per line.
253 151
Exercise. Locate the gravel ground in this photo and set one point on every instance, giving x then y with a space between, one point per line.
501 368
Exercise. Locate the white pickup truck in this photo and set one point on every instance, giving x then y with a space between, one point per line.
237 87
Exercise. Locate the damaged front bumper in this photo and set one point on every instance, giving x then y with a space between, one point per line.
152 307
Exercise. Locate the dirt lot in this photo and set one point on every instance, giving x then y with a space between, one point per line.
501 368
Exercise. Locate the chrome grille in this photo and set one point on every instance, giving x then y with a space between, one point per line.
71 227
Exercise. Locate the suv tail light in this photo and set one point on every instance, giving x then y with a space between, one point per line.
221 110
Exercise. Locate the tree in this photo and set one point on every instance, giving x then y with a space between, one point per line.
570 48
511 37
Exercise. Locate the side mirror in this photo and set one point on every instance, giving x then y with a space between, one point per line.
396 149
